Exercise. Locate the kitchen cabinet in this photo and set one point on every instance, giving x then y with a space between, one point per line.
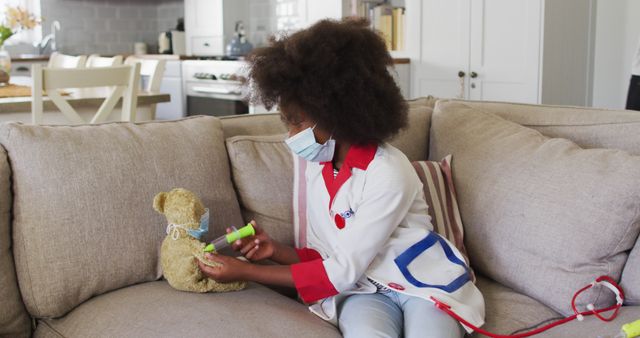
210 24
172 84
504 50
23 67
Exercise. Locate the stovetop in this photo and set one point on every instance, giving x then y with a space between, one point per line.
219 58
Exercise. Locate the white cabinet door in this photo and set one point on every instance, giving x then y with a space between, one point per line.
495 44
444 48
505 50
203 17
204 27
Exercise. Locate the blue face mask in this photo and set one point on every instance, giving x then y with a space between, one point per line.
304 145
195 233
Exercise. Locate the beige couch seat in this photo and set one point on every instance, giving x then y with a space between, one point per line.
508 310
154 309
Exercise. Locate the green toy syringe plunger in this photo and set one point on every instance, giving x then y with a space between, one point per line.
226 240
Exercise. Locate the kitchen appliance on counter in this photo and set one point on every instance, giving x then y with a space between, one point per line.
213 86
172 42
239 45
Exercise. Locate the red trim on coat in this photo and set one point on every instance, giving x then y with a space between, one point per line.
357 157
306 254
311 281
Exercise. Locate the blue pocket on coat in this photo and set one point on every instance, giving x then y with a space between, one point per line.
409 255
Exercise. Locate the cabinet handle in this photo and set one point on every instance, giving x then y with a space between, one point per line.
461 74
206 44
473 75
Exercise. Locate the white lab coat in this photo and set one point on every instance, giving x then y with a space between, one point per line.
386 214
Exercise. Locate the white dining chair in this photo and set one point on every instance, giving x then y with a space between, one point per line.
57 60
123 80
151 73
95 60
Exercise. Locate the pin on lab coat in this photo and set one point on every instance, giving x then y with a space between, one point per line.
376 227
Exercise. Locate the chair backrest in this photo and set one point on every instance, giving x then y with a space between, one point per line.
123 80
151 72
57 60
95 60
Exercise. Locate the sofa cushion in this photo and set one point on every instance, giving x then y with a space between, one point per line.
254 125
262 171
594 327
425 101
14 319
414 140
588 128
508 311
541 215
154 309
84 222
630 281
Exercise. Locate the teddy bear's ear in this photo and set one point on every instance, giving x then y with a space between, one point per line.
158 202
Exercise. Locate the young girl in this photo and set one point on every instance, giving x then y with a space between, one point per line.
372 262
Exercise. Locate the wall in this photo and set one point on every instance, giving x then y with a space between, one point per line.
617 35
262 21
567 52
107 27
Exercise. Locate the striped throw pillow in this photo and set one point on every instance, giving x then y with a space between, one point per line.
440 194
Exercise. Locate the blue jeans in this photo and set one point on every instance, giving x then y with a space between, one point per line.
391 314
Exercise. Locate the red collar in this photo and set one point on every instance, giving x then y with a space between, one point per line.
357 157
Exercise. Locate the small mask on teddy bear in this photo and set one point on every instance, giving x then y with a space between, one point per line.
187 220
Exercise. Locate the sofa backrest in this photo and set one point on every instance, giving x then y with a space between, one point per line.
412 141
588 128
83 221
14 319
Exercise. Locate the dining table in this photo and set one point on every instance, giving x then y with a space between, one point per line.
15 104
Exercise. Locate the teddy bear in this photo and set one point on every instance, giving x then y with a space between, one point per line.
187 220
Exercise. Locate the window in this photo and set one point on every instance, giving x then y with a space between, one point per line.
28 36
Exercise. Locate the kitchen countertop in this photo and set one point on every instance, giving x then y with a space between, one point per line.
23 103
37 58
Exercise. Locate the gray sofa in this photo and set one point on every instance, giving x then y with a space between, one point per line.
79 239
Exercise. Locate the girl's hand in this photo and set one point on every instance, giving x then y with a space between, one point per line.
257 247
230 269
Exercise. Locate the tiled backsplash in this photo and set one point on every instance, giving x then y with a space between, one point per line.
107 27
112 26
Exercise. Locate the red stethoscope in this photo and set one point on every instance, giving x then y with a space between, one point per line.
605 281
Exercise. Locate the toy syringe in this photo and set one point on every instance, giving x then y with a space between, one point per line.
224 241
630 330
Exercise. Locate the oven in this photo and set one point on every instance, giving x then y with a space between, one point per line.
212 87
